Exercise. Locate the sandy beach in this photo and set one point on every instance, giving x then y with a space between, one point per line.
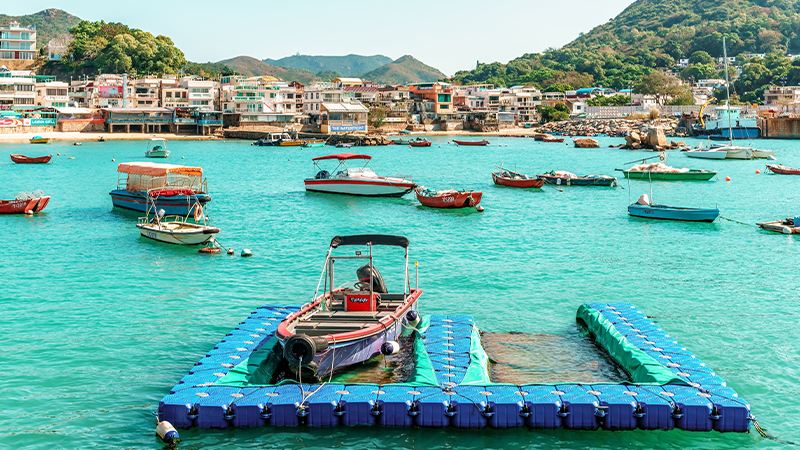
88 137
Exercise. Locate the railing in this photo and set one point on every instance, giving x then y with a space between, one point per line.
16 47
210 122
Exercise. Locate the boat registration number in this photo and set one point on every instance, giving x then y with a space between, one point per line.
448 199
150 234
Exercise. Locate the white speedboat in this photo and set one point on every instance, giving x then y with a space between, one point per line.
156 148
176 229
356 181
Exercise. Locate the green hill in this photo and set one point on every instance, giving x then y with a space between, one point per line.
404 70
252 67
652 34
50 24
346 66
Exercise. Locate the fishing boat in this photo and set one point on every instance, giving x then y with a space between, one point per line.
643 208
39 140
156 148
278 140
175 229
355 180
481 143
687 175
419 142
448 198
351 323
25 203
551 139
21 159
314 143
514 179
181 186
790 225
563 178
783 170
345 144
400 141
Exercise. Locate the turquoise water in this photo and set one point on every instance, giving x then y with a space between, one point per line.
99 323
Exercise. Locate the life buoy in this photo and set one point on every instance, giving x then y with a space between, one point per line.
198 213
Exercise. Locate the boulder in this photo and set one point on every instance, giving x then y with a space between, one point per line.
656 138
586 143
635 136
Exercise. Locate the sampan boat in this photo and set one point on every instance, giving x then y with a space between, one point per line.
21 159
480 143
351 324
24 205
39 140
517 180
783 170
691 175
448 198
664 212
419 142
562 178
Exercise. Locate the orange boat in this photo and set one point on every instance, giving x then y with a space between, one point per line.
447 199
21 159
484 142
518 180
27 206
552 139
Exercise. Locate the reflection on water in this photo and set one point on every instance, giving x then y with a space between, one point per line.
545 358
382 369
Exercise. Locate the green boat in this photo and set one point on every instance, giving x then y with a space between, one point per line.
313 144
692 175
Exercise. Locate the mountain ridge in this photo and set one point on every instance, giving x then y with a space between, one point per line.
346 66
403 70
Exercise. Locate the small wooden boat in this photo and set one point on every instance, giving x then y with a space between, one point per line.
157 148
313 143
514 179
419 142
102 139
352 323
788 226
664 212
691 175
552 139
345 144
24 205
21 159
481 143
447 199
175 229
400 142
39 140
562 178
783 170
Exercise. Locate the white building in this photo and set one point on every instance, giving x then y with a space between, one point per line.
202 93
17 88
17 42
52 94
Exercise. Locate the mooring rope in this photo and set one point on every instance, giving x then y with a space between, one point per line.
740 223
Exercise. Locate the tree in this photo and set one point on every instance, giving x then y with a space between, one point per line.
685 98
665 60
558 87
699 71
701 57
553 114
658 84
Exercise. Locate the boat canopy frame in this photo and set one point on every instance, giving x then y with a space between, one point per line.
327 275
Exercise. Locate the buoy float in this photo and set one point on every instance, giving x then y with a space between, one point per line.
412 318
758 171
727 178
479 208
210 250
246 253
71 157
167 432
390 348
112 159
58 154
183 157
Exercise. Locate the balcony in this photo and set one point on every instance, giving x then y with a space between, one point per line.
25 47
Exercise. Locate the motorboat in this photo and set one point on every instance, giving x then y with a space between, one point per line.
39 140
355 180
514 179
661 172
564 178
278 140
480 143
313 143
21 159
783 170
176 229
419 142
345 144
157 148
350 323
180 187
643 208
25 203
450 198
552 139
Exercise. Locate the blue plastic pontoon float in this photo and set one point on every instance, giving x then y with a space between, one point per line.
670 387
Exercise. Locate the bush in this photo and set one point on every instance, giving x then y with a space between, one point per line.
653 114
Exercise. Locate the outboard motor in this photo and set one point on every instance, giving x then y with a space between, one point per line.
364 273
322 175
159 215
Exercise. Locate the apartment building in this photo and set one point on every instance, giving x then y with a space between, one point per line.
17 42
17 89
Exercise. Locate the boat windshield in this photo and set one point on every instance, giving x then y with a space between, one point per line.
363 172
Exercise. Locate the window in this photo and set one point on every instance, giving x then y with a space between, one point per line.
200 90
57 92
169 94
24 55
25 36
271 95
23 101
59 104
23 87
200 102
6 55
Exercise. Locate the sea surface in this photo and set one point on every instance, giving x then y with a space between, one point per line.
99 323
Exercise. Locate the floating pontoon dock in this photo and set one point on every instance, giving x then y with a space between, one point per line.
670 387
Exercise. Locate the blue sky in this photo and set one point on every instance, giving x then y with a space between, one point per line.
448 34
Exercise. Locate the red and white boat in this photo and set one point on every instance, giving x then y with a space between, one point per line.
419 142
356 180
552 139
21 159
24 205
447 199
481 143
783 170
517 180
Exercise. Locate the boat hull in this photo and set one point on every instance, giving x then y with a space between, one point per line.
510 182
20 159
201 236
663 212
466 199
705 154
738 133
670 176
157 153
479 143
779 226
783 170
179 205
40 141
23 206
419 144
763 153
365 188
562 181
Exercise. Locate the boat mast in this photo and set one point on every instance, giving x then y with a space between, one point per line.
727 89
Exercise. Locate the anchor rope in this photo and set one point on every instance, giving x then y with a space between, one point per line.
740 223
